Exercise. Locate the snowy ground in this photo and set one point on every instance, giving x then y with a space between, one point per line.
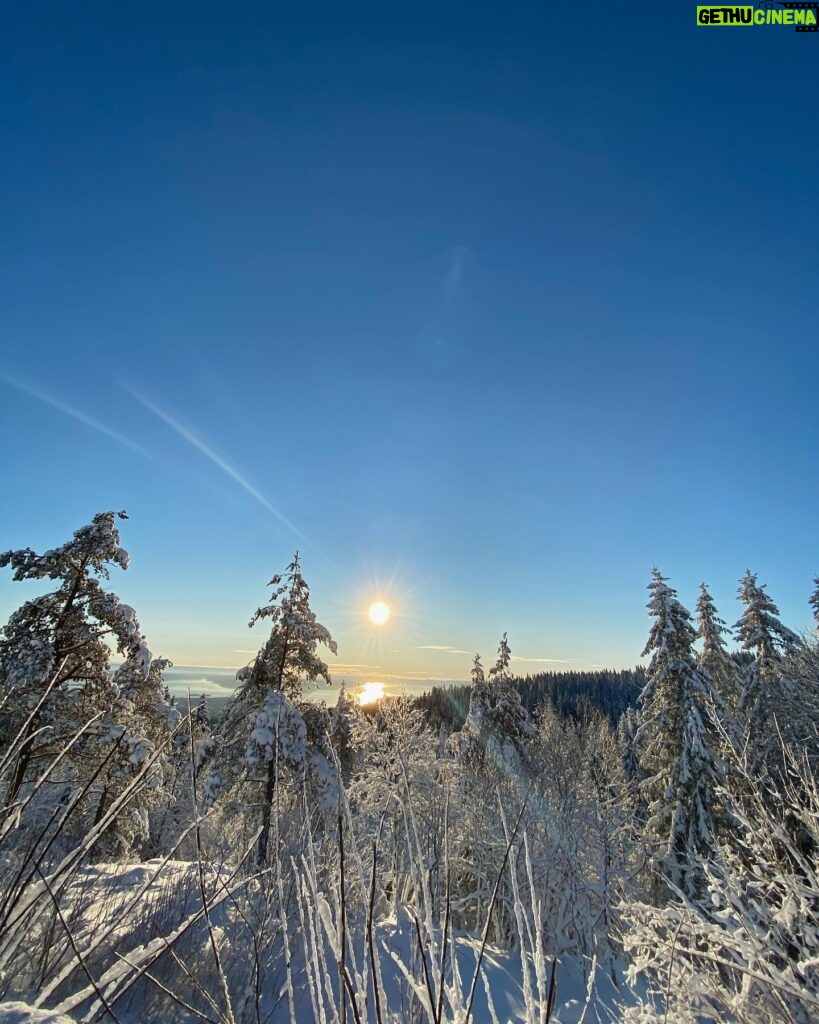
133 907
20 1013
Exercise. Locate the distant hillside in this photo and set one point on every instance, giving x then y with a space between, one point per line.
610 691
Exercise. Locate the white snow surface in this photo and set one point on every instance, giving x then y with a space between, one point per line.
22 1013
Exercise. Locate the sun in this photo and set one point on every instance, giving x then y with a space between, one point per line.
370 693
379 613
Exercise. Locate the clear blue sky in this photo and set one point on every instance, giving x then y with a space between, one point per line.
486 307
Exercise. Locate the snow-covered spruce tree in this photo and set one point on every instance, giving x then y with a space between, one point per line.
263 734
512 727
136 725
766 686
714 660
54 658
497 729
202 715
813 600
675 742
468 743
479 698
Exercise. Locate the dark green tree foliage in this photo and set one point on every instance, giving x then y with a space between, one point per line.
609 691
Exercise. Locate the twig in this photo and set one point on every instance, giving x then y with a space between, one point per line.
427 979
491 907
76 951
202 887
370 941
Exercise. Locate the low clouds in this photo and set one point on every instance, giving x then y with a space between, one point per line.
448 649
555 661
445 648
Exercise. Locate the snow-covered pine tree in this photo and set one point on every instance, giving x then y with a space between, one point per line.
675 741
766 686
714 660
813 600
480 701
499 673
137 724
202 714
54 656
512 728
497 724
263 734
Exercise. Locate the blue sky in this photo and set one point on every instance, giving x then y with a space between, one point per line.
487 309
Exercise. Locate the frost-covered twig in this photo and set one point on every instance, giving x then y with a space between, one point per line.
485 935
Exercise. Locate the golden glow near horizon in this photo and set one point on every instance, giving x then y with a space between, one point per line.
370 693
379 613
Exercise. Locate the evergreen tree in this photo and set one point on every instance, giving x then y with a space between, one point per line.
714 660
814 600
497 725
765 684
263 733
54 658
512 727
499 673
479 698
202 715
674 741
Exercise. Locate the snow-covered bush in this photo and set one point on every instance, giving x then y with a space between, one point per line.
748 948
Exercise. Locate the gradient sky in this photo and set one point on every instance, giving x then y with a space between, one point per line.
485 308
